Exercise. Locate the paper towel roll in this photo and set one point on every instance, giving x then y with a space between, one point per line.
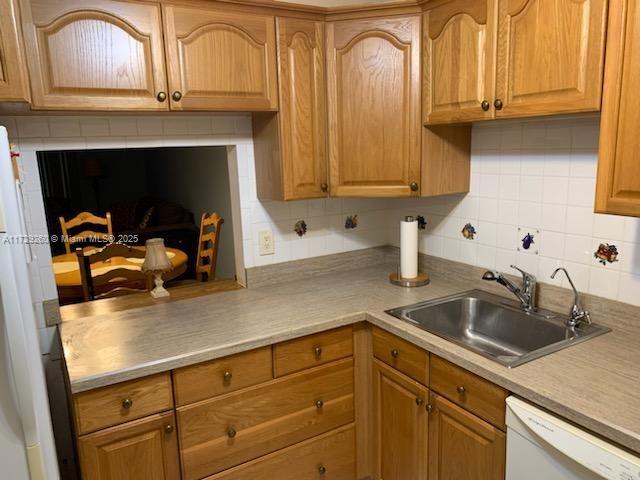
409 248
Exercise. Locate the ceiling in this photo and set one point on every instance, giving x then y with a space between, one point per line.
334 3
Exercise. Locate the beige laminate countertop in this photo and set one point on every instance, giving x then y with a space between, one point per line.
595 384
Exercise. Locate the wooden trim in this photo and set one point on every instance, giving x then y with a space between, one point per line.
363 393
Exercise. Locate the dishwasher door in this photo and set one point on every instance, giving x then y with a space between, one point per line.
541 446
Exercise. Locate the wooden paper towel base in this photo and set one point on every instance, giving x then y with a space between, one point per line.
419 281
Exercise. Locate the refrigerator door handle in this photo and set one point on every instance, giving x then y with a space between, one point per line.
23 222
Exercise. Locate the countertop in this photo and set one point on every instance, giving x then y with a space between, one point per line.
595 384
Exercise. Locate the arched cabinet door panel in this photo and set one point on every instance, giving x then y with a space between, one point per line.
550 56
373 68
458 61
220 60
13 78
108 56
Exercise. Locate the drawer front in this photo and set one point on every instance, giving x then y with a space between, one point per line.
330 456
313 350
401 355
226 431
470 391
120 403
224 375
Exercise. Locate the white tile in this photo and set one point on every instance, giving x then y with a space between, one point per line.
485 137
528 263
145 141
223 125
510 163
629 289
451 250
243 124
105 142
508 212
582 192
486 257
200 125
532 163
65 143
504 260
534 136
94 127
488 162
511 137
603 282
546 267
510 187
629 257
468 208
579 274
31 127
488 186
247 252
557 164
555 190
558 136
632 229
608 227
468 252
554 217
333 205
12 128
316 207
578 249
487 233
585 135
583 163
531 188
64 127
431 245
175 126
149 126
530 214
488 209
123 126
579 221
506 237
298 210
553 245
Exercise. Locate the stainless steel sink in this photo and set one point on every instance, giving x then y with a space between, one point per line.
495 328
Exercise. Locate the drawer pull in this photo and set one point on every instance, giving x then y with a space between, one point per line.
127 403
162 96
319 404
394 353
176 96
317 351
227 376
419 401
429 408
322 469
168 429
461 390
231 432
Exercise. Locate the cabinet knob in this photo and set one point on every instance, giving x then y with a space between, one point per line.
127 403
498 104
429 408
319 404
176 96
324 187
322 469
395 353
413 186
419 401
461 390
168 428
231 432
317 351
227 376
162 96
485 105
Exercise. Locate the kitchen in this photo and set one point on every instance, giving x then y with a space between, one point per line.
401 142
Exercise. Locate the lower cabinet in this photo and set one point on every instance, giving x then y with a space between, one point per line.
145 449
462 446
401 421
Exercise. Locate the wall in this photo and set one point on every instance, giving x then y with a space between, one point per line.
535 177
197 179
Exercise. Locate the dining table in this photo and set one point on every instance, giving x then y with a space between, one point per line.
66 270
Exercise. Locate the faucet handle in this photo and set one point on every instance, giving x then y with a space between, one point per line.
525 275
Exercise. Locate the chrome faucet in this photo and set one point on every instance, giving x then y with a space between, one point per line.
577 315
525 293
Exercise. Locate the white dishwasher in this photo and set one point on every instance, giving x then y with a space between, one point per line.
541 446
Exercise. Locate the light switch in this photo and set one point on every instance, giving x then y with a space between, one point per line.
265 238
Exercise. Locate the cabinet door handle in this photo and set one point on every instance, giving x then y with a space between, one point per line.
429 408
485 105
395 353
231 432
322 469
317 351
319 404
413 186
162 96
419 401
461 390
127 403
498 104
324 187
227 376
176 96
168 429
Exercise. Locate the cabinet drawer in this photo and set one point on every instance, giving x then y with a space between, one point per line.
313 350
401 355
475 394
226 431
332 453
115 404
224 375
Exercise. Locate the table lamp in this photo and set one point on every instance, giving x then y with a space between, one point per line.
156 262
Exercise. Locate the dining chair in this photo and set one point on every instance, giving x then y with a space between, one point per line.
126 280
81 219
208 243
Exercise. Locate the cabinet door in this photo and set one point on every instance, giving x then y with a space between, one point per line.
400 425
106 56
374 106
13 80
550 56
145 449
220 60
302 108
458 61
618 185
461 446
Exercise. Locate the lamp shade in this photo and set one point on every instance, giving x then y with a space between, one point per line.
156 258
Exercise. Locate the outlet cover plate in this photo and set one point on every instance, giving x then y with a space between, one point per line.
265 239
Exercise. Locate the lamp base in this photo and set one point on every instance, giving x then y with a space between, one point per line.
159 291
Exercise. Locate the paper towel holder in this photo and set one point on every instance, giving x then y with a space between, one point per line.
420 281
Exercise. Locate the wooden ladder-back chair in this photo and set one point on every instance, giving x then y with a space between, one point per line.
81 219
114 282
208 244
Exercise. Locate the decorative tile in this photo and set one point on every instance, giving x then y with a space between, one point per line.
422 222
468 231
606 254
351 222
300 228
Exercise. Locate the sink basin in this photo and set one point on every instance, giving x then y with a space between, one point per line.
494 327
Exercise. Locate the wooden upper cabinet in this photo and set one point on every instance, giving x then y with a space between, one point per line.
373 70
13 78
400 425
463 446
106 56
550 56
220 60
618 184
290 146
458 61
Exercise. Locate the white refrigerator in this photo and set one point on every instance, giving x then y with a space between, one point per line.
27 447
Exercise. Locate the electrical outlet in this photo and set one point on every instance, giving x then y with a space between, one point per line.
265 238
